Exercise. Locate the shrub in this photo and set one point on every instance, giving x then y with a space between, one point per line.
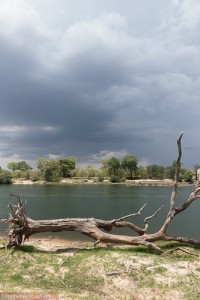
34 176
5 177
100 176
114 179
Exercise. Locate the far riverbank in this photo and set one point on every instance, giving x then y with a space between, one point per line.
138 182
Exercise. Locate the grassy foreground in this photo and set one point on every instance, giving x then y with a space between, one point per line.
82 272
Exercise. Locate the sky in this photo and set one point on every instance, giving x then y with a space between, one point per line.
99 78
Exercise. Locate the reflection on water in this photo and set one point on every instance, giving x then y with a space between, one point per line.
102 201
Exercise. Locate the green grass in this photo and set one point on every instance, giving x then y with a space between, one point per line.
84 274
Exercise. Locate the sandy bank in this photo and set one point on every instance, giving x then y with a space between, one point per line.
21 181
155 182
138 182
51 243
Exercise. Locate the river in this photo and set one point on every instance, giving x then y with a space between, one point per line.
102 201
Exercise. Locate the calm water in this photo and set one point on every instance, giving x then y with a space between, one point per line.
102 201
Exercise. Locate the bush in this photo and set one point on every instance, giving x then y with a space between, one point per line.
114 179
55 179
101 176
25 175
187 175
34 176
5 177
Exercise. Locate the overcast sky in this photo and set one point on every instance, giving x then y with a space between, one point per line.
99 78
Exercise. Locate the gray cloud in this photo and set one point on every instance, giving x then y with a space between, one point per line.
91 82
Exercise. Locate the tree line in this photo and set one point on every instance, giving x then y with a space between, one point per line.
113 169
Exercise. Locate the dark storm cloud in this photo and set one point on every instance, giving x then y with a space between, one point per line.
86 83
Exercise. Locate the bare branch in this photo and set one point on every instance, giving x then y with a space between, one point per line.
4 220
178 166
186 204
182 240
156 212
131 215
150 217
96 243
18 197
173 209
183 250
178 162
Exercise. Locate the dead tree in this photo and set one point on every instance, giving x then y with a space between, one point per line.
21 227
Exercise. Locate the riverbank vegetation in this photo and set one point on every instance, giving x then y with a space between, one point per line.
111 170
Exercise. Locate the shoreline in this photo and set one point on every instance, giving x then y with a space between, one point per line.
137 182
47 240
53 244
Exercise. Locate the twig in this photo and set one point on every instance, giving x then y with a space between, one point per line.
63 262
116 273
104 293
131 215
150 217
192 270
4 220
12 210
112 273
97 242
183 250
19 198
63 283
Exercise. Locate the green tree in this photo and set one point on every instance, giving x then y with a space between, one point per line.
77 172
156 172
170 170
196 167
142 172
13 166
5 177
67 165
101 175
50 169
24 166
114 179
129 164
186 175
112 166
35 176
91 172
